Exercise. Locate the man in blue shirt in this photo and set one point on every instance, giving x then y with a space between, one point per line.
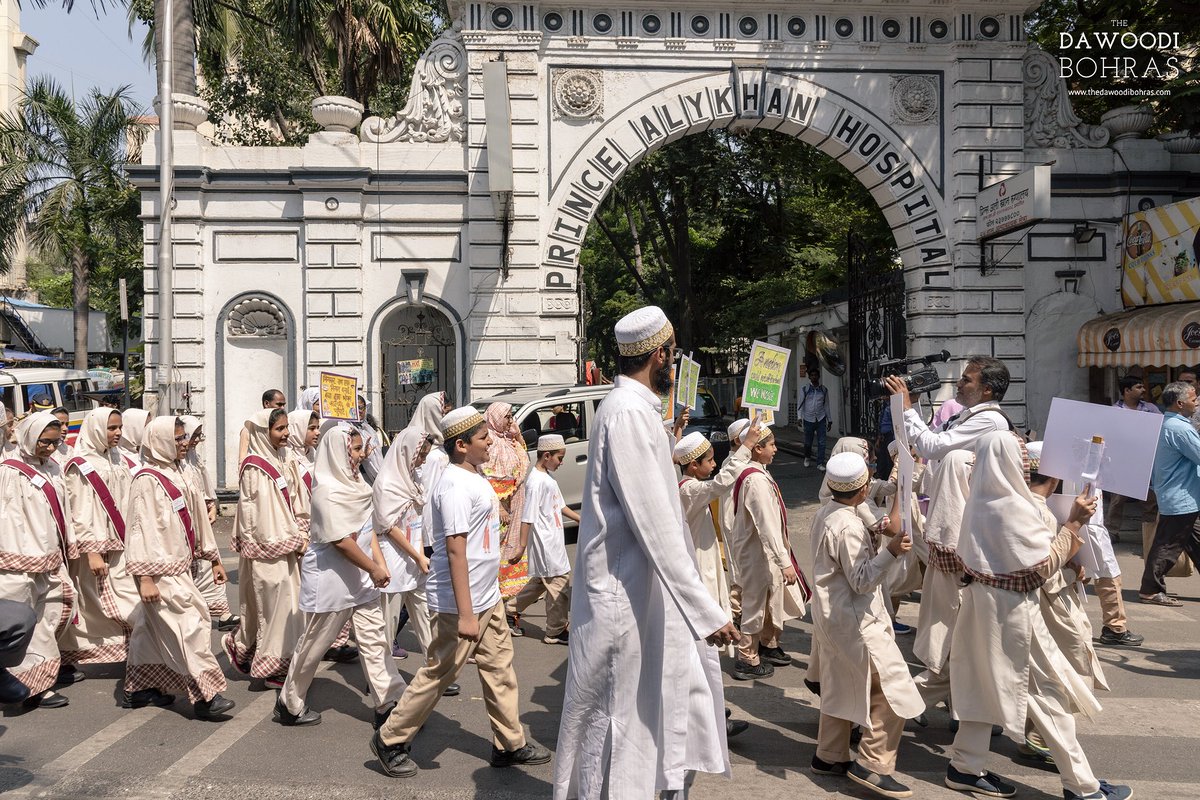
1176 481
814 414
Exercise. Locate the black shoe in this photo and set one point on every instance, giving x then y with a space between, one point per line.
856 734
825 768
882 785
68 675
147 697
230 623
558 638
514 625
305 717
921 720
1123 639
774 655
381 716
728 712
531 753
47 699
989 784
813 686
393 758
1107 791
452 690
11 689
735 726
747 672
212 710
346 654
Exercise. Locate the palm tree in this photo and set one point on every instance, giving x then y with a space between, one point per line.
61 166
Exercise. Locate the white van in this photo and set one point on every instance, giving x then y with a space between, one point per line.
65 387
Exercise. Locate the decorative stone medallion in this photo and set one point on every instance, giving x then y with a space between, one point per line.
579 93
914 99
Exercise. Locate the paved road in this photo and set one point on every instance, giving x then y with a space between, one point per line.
1148 735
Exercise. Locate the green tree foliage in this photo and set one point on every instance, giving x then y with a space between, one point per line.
719 228
1057 27
62 186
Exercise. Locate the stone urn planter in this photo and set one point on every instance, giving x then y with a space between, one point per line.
337 114
190 111
1180 142
1128 122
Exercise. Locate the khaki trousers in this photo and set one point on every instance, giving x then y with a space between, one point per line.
374 653
747 649
418 615
447 656
1112 607
877 750
558 601
735 600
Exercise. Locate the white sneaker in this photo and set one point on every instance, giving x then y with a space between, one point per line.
807 463
821 467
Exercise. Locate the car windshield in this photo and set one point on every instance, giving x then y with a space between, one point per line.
706 406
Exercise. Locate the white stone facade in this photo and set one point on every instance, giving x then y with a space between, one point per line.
336 244
15 47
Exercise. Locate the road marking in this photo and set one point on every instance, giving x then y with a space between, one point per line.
224 737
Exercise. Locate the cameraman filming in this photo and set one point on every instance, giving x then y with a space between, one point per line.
980 390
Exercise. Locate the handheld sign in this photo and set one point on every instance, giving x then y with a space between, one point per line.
1129 437
764 376
908 466
668 404
689 382
339 397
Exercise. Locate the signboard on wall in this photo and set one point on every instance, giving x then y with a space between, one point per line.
1161 255
1013 203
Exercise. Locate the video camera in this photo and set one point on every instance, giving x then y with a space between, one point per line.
918 381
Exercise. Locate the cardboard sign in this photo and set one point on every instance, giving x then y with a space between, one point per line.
764 376
339 397
689 382
668 405
1130 439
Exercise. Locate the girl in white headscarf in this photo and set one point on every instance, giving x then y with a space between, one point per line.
166 530
133 429
195 472
310 399
36 539
304 429
97 483
399 504
342 572
268 538
427 419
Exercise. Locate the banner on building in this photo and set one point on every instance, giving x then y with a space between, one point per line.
419 371
339 396
1161 255
764 376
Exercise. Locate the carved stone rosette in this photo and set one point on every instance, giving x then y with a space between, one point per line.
1050 121
915 100
578 94
435 111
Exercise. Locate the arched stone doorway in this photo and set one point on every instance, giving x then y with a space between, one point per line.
419 354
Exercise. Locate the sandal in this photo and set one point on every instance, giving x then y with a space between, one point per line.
1160 599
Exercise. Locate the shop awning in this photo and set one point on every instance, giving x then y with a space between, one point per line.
1151 336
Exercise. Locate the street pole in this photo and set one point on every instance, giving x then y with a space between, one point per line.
166 182
125 337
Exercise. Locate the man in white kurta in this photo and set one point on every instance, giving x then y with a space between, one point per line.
864 678
643 706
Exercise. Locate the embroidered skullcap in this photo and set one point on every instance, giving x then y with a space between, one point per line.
846 472
549 442
1035 455
460 420
690 447
643 330
737 429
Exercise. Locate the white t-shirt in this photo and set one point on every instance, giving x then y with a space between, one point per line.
465 504
543 512
406 576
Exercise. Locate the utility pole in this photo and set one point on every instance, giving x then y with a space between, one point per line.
166 182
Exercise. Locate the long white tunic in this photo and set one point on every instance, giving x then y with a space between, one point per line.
851 621
761 549
643 702
696 497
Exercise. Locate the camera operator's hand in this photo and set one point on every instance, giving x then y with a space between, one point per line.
895 385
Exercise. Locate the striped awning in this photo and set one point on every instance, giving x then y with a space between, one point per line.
1150 336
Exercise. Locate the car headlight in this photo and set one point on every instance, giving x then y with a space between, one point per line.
718 436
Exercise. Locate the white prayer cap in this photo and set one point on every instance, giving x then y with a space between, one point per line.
549 442
738 428
642 331
893 448
459 421
1035 455
690 447
846 472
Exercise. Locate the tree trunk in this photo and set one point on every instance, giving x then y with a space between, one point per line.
81 269
183 49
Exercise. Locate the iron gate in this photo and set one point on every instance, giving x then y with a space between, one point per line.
418 357
876 306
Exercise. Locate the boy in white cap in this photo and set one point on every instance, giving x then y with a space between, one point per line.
734 433
462 576
542 534
773 588
863 675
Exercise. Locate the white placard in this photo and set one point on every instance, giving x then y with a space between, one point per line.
1013 203
1130 439
908 465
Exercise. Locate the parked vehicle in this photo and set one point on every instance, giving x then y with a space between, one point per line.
708 418
68 388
